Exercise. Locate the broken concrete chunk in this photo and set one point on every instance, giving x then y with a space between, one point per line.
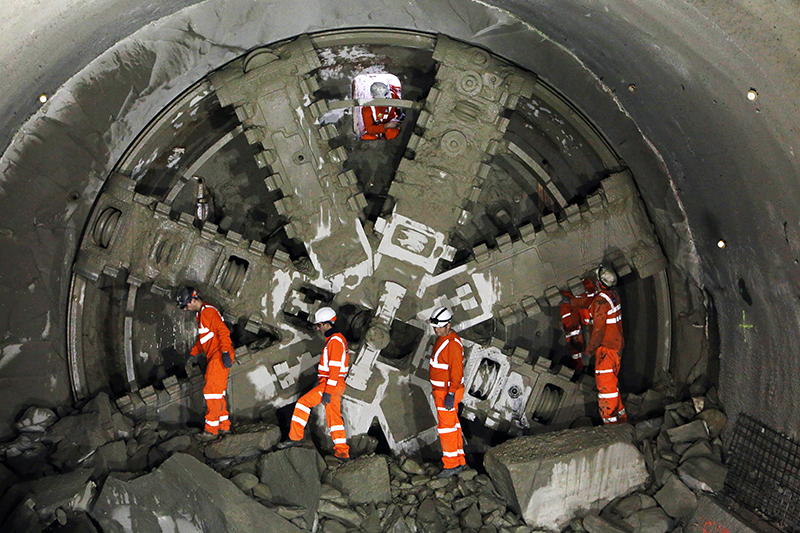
701 448
72 491
183 494
535 474
36 419
364 480
675 498
293 478
702 473
244 444
122 426
652 520
715 514
688 432
715 420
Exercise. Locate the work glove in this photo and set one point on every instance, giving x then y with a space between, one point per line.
450 400
226 360
326 398
585 359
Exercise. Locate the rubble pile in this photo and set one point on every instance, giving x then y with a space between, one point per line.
96 470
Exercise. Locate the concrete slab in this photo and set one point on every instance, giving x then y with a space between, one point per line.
549 478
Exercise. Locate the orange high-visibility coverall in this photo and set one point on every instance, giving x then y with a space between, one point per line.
575 314
331 372
447 375
376 118
213 338
605 343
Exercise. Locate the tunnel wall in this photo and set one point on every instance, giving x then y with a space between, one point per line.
709 163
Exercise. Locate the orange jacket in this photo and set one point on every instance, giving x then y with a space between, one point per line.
447 363
334 362
375 120
607 322
213 336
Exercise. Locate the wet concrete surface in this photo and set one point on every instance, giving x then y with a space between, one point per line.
731 161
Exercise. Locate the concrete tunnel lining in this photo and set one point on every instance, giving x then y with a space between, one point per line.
763 149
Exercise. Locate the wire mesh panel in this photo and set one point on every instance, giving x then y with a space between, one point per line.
764 473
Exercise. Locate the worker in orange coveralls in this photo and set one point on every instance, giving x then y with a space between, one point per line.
447 384
605 343
575 313
381 122
213 339
331 371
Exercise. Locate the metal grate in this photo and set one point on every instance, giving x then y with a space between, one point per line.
764 473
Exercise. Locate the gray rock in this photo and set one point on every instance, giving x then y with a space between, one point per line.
23 519
487 503
463 503
122 426
36 419
111 457
77 523
627 506
410 466
702 473
372 522
647 429
675 498
290 512
701 448
535 475
662 469
7 479
653 520
428 519
364 480
690 432
176 444
293 478
363 445
245 481
344 515
715 420
471 518
72 491
597 524
332 526
183 493
78 437
244 444
262 492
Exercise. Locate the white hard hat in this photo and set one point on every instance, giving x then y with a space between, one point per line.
440 317
606 276
379 90
324 314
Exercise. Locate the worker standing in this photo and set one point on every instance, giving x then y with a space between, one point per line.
447 387
605 343
381 122
213 339
331 372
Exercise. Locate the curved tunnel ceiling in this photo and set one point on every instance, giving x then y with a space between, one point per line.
666 86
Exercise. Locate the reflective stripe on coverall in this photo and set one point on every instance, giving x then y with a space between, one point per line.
447 375
213 338
331 372
571 324
605 343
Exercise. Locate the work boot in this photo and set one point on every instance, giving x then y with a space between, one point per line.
450 472
289 444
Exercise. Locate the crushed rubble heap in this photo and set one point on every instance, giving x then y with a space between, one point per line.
95 469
